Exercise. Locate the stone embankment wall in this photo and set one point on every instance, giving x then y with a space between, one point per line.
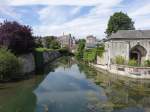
50 56
127 71
28 63
28 60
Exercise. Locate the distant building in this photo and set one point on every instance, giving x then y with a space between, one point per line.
67 41
91 41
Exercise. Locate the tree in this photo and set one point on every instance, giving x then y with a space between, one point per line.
55 45
38 41
48 40
16 37
81 46
119 21
51 42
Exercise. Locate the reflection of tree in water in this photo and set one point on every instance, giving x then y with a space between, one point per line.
97 105
18 97
121 92
66 61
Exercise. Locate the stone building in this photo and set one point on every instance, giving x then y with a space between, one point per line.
131 44
67 41
91 41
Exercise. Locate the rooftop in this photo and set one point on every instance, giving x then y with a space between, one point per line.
90 36
131 34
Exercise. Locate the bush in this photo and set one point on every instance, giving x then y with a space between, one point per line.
38 54
132 62
100 51
64 51
18 38
51 42
9 65
147 63
80 49
89 55
120 60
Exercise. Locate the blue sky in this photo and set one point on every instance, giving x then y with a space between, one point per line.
79 17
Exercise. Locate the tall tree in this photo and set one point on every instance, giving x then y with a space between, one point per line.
16 37
80 50
51 42
119 21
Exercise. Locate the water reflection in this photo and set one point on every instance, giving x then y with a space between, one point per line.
18 97
124 94
69 86
67 90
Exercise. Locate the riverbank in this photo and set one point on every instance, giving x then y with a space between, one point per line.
33 63
126 71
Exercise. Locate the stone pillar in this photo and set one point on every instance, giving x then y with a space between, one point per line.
148 51
109 53
128 51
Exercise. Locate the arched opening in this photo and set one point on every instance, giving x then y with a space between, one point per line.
137 52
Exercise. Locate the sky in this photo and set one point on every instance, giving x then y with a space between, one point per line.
78 17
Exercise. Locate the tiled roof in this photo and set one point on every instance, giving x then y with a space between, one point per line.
131 34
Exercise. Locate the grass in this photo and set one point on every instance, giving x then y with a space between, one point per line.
41 49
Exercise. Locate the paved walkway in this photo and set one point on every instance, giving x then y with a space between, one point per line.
117 72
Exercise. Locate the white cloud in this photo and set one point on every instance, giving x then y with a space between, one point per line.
79 27
94 22
62 2
141 15
54 19
9 11
142 22
56 15
144 10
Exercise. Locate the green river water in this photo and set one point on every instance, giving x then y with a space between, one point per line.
67 86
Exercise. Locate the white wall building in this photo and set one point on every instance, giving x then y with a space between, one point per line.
131 44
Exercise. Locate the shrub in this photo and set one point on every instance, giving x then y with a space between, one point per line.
132 62
89 55
18 38
120 60
100 51
64 51
80 49
9 65
51 42
38 54
38 41
147 63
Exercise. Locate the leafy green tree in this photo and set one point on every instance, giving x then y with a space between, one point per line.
48 40
55 45
38 41
90 55
51 42
80 50
119 21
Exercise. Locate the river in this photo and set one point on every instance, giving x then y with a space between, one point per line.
69 86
